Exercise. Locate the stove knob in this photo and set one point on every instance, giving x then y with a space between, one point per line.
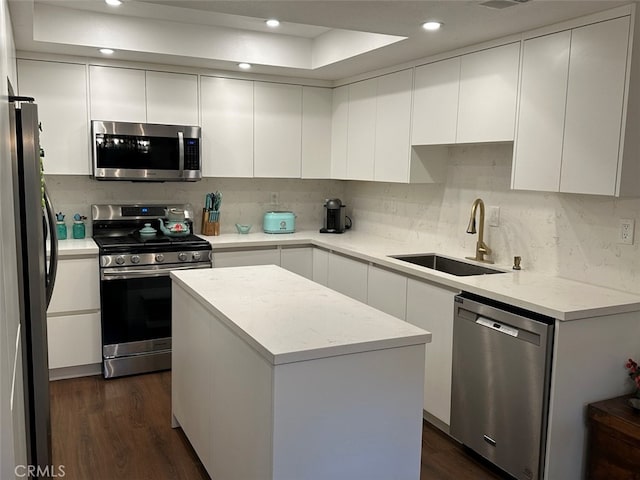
135 258
120 260
159 257
182 256
196 256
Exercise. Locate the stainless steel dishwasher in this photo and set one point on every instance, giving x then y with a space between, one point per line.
500 383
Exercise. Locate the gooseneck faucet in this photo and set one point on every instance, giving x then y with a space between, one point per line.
482 248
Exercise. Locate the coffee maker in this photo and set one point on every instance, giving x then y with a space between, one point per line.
335 219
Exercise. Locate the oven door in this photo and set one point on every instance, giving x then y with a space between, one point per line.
135 306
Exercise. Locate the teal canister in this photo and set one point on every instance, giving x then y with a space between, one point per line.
78 229
61 230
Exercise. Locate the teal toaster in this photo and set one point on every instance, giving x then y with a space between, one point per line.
279 222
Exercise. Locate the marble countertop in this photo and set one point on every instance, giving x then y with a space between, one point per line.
288 318
76 247
549 295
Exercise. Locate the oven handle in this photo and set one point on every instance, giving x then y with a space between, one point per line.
120 275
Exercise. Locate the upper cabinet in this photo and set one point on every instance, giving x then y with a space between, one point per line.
278 130
467 99
339 122
60 90
172 98
572 111
227 127
316 132
361 129
129 95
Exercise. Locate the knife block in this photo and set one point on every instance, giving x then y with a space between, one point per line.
209 228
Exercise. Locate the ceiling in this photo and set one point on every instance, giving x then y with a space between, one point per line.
326 40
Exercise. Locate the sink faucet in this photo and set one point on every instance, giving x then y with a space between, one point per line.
482 248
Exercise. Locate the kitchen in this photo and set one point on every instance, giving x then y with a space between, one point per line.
574 236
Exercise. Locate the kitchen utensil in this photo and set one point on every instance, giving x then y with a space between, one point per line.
147 231
243 228
174 229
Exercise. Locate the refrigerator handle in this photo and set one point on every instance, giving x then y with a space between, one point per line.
53 256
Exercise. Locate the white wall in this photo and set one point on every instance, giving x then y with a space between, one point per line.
12 446
244 200
573 236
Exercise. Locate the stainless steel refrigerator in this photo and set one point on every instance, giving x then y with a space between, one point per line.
37 254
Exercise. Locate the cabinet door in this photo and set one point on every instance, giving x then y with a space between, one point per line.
298 260
348 277
117 94
595 95
387 291
393 123
74 340
77 286
244 258
435 103
487 101
227 127
339 127
316 132
60 90
543 88
172 98
431 308
320 266
361 130
278 130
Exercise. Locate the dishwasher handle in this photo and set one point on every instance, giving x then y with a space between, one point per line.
497 326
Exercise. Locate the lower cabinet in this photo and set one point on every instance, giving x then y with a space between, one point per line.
387 291
320 266
73 318
431 307
297 260
348 276
242 257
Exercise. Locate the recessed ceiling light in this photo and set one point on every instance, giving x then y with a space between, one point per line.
113 3
244 66
431 25
106 51
273 23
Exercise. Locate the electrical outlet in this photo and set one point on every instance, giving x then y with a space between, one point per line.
275 198
494 216
625 231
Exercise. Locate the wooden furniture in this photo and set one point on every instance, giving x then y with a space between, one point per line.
614 440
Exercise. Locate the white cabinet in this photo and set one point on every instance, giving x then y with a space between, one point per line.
435 103
361 130
60 90
387 291
488 94
73 317
538 146
130 95
347 276
297 260
278 130
242 257
316 132
431 307
117 94
393 124
227 127
172 98
595 95
339 125
571 110
320 266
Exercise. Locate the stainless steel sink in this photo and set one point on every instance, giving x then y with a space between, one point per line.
452 266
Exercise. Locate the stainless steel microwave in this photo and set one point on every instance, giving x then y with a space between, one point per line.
145 152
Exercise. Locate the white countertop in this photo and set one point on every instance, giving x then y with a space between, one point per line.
288 318
76 247
553 296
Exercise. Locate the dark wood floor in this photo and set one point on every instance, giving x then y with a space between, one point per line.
120 429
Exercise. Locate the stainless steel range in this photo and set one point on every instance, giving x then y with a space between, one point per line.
137 252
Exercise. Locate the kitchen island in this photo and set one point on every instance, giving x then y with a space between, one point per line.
277 377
